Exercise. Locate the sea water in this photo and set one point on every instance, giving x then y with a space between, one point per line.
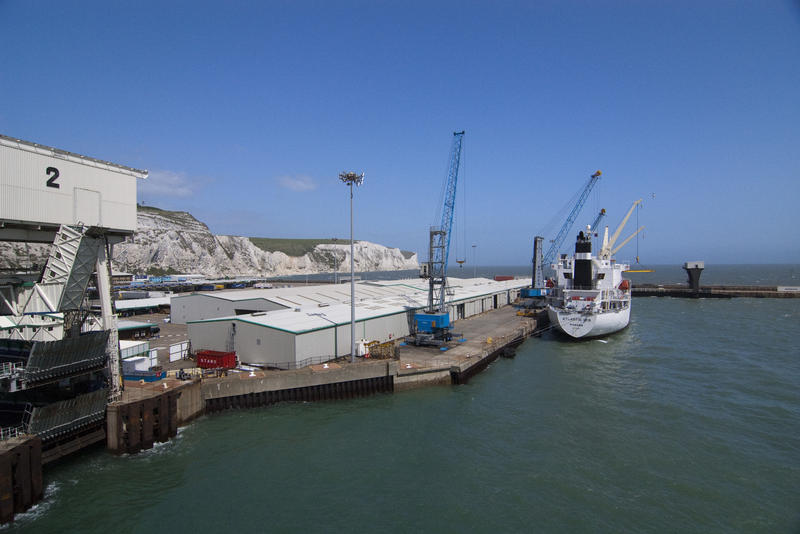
687 421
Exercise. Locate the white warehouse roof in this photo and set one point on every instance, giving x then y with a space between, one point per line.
373 300
132 304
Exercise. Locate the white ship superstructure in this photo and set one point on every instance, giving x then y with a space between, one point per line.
590 297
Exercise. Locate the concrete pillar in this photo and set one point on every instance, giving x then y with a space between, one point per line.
693 270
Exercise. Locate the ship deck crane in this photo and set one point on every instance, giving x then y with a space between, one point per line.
432 327
608 249
537 282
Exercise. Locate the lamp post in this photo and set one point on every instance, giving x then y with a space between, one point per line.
351 178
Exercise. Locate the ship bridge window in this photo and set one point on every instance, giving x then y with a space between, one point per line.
600 276
568 276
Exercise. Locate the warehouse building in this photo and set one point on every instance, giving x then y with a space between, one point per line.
312 331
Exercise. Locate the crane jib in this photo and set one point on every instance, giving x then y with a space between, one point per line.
440 237
576 209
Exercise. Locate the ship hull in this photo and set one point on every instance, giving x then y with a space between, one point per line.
582 325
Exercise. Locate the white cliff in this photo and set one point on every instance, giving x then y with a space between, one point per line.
177 242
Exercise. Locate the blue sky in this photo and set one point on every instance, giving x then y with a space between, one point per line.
245 112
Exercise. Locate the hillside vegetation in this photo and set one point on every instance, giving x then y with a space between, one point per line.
293 247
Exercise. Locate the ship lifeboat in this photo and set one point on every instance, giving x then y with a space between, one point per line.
625 285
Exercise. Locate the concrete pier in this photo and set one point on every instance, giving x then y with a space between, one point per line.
21 484
482 340
151 412
313 383
719 292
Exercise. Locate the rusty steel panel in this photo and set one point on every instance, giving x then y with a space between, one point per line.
23 496
37 482
148 406
163 418
134 428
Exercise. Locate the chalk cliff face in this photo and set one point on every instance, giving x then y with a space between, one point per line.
177 242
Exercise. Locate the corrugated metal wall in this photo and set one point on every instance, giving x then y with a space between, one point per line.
85 193
211 336
260 345
197 307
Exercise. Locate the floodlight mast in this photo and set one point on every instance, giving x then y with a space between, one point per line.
351 178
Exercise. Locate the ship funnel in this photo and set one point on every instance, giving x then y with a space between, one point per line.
583 262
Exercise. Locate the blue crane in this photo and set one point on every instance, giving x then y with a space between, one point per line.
433 325
596 223
549 256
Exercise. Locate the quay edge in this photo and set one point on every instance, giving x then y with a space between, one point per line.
153 414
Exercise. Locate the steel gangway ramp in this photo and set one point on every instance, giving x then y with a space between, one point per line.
52 360
68 416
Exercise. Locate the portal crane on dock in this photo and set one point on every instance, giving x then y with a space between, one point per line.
537 282
432 327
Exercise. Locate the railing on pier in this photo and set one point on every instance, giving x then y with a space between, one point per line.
9 369
12 432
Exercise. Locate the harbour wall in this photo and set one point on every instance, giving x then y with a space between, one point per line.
308 384
21 483
147 418
152 413
681 291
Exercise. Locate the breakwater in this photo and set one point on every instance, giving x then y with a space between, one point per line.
715 291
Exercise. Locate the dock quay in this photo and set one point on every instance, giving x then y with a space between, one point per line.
715 291
151 412
482 340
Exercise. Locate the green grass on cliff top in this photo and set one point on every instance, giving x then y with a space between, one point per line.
290 247
299 247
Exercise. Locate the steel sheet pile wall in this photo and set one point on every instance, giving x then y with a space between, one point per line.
137 425
21 484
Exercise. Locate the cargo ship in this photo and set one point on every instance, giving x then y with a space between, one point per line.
590 298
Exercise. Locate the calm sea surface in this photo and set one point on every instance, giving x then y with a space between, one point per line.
687 421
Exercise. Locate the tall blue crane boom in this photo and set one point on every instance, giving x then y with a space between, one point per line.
537 281
550 255
597 220
432 327
440 237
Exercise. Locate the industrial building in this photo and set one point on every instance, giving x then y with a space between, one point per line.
303 325
55 376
